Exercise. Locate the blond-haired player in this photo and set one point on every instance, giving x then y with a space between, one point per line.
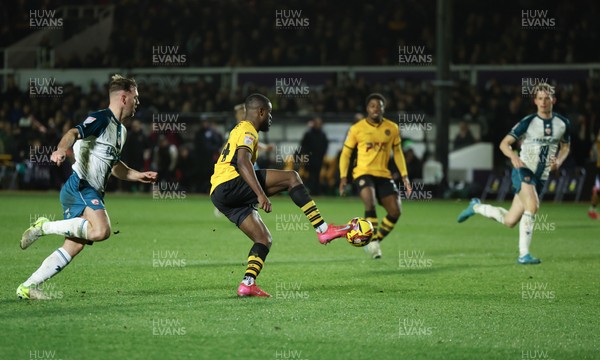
545 146
97 144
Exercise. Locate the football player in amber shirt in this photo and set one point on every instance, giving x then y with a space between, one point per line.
238 191
375 138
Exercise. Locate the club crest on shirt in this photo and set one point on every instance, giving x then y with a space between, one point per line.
548 131
387 132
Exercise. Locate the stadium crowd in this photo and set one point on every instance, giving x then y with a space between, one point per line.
30 126
215 34
323 33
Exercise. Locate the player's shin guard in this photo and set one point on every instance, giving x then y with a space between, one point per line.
256 261
51 266
526 232
302 199
371 215
492 212
76 227
387 225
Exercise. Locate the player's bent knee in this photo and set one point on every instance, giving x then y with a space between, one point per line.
267 236
533 208
99 234
294 178
395 213
105 234
266 240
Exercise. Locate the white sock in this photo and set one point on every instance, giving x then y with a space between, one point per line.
492 212
248 280
50 267
76 227
322 228
525 232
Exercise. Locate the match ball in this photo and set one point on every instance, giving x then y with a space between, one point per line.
361 232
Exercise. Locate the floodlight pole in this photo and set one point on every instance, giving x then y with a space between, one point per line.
443 81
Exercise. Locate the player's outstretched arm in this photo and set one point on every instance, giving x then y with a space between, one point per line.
350 143
563 152
344 165
65 144
401 165
247 173
506 148
124 172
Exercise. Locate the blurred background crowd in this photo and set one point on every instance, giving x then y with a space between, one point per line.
29 124
219 34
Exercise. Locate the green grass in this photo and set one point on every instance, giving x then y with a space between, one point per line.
464 301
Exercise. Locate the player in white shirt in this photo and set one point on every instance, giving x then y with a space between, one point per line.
545 146
97 144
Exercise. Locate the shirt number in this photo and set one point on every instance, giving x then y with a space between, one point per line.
225 152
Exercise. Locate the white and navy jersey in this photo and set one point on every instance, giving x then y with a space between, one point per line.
541 139
99 149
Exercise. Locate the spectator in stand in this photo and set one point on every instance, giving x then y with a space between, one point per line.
83 110
165 159
414 165
314 145
184 170
136 151
5 137
193 97
433 175
464 137
483 35
207 145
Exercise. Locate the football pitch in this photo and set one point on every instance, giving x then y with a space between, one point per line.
163 286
